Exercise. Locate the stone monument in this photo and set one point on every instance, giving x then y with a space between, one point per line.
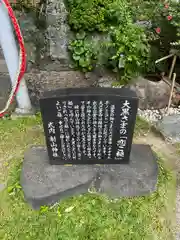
89 135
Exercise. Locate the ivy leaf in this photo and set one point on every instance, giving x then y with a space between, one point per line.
80 35
76 57
84 62
10 189
79 43
79 50
17 186
70 47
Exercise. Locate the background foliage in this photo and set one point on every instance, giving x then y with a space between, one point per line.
138 33
88 15
25 4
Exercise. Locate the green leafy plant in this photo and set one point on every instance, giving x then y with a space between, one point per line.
44 209
165 20
144 10
89 15
132 50
163 33
14 189
127 51
83 53
173 15
129 48
118 13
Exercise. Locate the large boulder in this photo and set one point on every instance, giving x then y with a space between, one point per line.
32 36
40 81
152 95
57 36
45 184
101 77
169 126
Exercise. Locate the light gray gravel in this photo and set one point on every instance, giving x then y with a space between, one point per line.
153 116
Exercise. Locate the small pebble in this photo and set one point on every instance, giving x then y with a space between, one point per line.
153 116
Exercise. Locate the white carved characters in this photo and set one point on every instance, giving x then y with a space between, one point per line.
121 143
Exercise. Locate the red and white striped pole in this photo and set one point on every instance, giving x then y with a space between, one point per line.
16 62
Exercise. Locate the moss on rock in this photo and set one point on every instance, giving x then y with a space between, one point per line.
25 4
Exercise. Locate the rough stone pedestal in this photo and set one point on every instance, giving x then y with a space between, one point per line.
45 184
169 126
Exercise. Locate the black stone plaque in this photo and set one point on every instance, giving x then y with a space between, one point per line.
89 125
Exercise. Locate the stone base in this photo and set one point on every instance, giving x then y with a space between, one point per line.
45 184
169 127
19 113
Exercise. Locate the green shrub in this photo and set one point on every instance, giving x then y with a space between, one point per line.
131 50
144 9
127 51
119 13
173 11
89 15
163 32
83 53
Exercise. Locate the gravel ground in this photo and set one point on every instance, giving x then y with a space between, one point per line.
155 115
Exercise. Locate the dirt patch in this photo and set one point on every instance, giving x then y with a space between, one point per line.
165 149
172 160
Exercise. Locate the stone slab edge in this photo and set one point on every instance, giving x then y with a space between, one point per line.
36 203
98 179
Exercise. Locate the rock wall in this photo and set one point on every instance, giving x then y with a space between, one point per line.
152 95
57 35
31 35
40 81
48 58
46 43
